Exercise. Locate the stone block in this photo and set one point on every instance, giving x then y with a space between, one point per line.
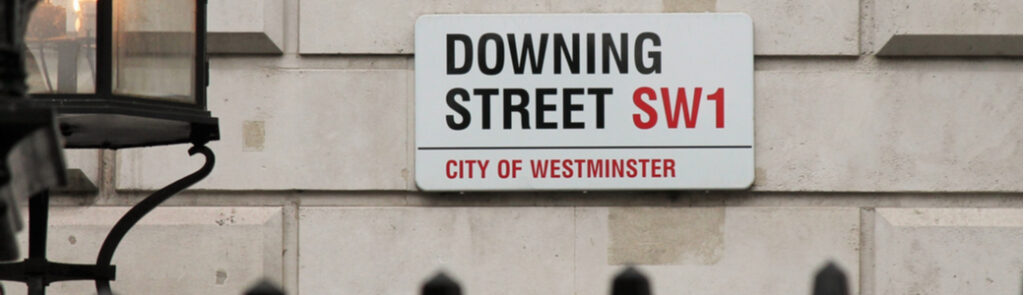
947 28
245 26
906 130
947 251
539 250
339 27
374 250
809 27
173 250
292 129
801 27
714 250
83 170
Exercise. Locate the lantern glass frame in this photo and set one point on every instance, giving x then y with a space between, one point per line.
109 118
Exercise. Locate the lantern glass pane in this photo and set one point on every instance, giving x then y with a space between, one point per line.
60 47
154 44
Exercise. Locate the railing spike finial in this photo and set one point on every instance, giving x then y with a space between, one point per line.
264 287
441 284
631 282
830 280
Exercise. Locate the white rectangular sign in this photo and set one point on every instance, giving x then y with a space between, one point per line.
584 102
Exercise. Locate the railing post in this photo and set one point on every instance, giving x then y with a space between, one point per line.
631 282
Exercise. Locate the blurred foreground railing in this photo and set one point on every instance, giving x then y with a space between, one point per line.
829 280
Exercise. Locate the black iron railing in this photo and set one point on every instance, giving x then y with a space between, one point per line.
829 280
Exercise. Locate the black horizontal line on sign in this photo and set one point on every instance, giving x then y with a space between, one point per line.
584 147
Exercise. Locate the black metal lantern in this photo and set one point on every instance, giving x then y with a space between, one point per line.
104 74
121 73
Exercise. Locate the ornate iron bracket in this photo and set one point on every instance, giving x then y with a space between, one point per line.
142 208
37 272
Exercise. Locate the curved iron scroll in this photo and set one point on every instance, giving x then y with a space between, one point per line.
142 208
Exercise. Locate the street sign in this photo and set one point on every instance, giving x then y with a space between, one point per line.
584 102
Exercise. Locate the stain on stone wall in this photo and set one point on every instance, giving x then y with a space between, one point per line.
689 5
253 136
665 236
222 276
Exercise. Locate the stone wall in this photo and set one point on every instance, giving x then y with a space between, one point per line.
888 139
